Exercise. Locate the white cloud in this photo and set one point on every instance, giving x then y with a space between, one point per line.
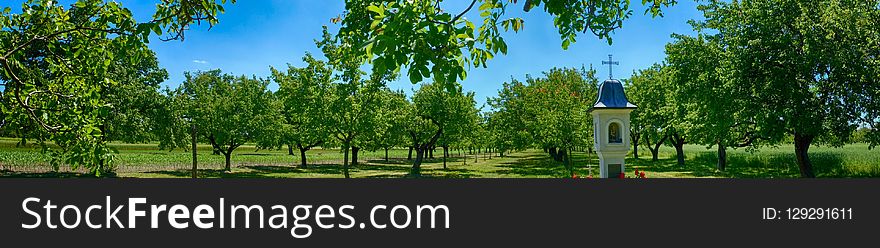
200 61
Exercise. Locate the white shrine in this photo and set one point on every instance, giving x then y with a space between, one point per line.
611 126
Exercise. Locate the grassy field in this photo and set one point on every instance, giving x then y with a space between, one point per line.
145 160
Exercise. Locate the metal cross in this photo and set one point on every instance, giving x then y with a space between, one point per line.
610 63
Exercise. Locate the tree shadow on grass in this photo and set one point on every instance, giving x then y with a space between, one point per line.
390 161
211 173
825 164
449 173
829 164
431 168
534 165
256 154
704 164
278 171
390 170
254 171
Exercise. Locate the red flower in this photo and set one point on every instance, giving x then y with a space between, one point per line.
637 172
574 176
642 175
590 176
622 175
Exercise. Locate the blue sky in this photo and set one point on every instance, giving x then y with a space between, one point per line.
255 34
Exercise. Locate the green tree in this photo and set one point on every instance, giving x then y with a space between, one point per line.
558 106
229 111
810 65
457 131
650 89
478 140
715 112
354 98
506 120
430 41
552 109
132 102
388 130
352 108
57 63
434 110
135 99
305 94
174 125
861 135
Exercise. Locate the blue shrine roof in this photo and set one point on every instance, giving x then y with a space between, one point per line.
611 96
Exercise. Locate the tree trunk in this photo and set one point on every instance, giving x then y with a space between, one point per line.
228 155
722 157
416 170
354 155
553 153
445 154
656 149
345 163
568 163
409 157
302 157
431 152
562 155
386 154
679 142
463 157
195 153
101 166
635 143
679 153
289 150
801 148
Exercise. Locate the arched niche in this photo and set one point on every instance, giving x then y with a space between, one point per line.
615 132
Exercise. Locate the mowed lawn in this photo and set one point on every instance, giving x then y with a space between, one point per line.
146 160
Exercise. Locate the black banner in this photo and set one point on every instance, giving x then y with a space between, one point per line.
481 212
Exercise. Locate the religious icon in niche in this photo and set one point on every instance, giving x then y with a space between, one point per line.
614 133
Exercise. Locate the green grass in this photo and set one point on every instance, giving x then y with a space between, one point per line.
145 160
770 162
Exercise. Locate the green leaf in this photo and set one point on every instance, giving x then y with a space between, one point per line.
157 29
375 9
375 24
415 76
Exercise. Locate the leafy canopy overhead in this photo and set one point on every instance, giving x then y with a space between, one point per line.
430 41
58 66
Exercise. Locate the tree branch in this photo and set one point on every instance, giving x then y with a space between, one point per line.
52 35
463 12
